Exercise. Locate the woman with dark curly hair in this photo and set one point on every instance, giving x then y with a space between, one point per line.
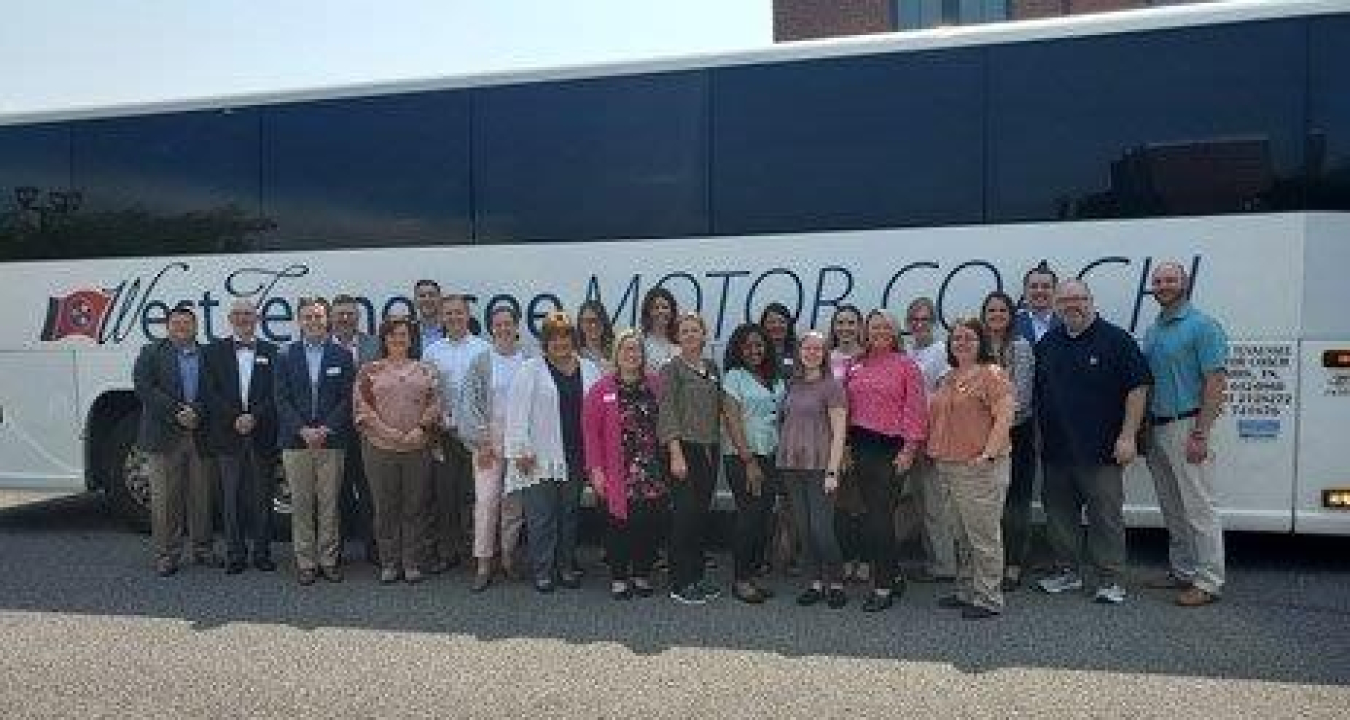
753 391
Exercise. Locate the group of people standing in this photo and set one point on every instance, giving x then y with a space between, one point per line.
844 432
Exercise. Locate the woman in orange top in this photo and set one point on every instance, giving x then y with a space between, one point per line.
968 437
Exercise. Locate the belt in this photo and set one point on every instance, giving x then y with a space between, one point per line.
1164 420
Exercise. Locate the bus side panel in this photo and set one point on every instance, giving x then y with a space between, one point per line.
39 433
1324 402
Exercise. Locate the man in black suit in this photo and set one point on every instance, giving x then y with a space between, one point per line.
168 383
241 434
314 412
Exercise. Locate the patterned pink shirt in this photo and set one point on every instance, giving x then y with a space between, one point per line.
886 395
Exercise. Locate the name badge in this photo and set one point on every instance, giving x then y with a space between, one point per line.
261 360
333 371
609 397
1092 360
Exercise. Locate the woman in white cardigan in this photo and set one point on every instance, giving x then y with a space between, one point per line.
545 447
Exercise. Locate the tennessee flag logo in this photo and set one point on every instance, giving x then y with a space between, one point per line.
79 313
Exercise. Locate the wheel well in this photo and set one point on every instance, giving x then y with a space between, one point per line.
103 416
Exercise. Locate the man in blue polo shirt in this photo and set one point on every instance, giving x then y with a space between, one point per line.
1091 389
1186 352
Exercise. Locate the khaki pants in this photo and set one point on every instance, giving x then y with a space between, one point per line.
974 495
923 510
1186 496
315 477
180 495
400 486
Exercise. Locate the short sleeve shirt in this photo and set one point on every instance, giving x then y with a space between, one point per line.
963 413
760 405
805 436
1081 386
1182 347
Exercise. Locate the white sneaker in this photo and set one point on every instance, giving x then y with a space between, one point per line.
1065 581
1112 594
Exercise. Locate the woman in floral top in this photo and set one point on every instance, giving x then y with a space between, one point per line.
623 462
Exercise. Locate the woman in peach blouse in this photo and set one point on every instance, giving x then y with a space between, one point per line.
397 406
971 414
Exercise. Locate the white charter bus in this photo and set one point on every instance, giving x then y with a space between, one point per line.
865 171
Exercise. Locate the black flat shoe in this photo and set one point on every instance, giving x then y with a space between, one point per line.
836 598
876 602
544 586
571 580
234 567
264 564
621 591
975 612
643 590
810 596
952 602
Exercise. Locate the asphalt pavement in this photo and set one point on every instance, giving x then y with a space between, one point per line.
89 631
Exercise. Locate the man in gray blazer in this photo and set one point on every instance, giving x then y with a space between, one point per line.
168 378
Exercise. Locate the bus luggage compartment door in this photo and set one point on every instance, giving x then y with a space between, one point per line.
39 434
1324 439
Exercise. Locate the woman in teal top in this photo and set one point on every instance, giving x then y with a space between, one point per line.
753 392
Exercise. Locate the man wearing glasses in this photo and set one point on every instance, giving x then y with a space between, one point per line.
921 496
1091 386
241 433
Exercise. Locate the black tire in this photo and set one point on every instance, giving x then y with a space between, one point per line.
126 472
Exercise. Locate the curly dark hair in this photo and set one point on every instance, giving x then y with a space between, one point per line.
648 300
768 369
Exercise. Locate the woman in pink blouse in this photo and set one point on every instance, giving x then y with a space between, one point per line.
887 421
397 406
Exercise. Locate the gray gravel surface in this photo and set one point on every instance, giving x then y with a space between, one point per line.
89 631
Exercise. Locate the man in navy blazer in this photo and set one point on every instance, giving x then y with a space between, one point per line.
1037 315
168 383
314 411
242 436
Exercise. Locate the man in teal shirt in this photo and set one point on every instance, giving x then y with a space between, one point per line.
1186 351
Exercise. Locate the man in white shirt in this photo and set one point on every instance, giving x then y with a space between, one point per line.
453 468
922 496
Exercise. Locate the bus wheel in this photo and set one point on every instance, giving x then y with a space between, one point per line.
128 472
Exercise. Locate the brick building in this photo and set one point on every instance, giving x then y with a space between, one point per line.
807 19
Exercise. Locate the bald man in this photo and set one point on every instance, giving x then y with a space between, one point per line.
241 436
1187 351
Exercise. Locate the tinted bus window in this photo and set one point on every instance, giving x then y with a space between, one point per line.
1195 121
168 184
367 172
35 199
1329 114
851 143
611 158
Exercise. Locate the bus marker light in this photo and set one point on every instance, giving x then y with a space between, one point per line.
1336 498
1336 359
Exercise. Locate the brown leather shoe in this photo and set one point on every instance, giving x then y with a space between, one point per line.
1195 597
1168 582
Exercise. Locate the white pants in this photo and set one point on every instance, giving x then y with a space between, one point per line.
1186 496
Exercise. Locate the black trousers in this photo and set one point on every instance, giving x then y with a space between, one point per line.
358 510
877 480
630 543
691 499
246 484
750 542
1017 506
